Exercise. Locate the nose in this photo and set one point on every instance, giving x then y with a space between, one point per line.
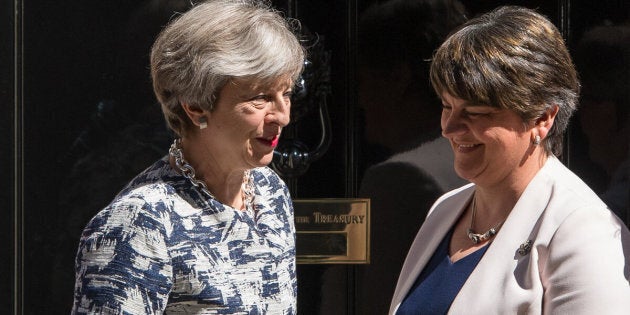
452 124
280 111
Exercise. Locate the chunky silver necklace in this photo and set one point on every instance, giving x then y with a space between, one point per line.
189 172
475 237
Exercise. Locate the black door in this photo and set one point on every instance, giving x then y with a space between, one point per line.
78 120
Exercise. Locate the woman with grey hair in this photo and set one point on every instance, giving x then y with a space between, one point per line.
527 236
209 228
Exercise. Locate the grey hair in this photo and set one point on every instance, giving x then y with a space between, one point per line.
512 58
215 42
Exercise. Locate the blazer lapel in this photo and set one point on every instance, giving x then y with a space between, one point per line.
438 223
498 265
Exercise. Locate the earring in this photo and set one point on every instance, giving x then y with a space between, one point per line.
537 140
203 123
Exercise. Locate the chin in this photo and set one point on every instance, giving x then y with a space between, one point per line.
263 161
464 173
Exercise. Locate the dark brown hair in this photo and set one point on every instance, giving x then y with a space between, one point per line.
512 58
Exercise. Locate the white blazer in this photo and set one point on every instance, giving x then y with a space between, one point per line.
579 261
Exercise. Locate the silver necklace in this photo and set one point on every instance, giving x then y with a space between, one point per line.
189 172
475 237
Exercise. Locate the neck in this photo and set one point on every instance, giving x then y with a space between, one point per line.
494 199
223 183
492 206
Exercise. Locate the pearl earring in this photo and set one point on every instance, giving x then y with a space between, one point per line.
203 123
537 140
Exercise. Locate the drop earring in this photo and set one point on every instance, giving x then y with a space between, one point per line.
537 140
203 123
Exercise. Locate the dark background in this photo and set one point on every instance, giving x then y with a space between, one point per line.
78 120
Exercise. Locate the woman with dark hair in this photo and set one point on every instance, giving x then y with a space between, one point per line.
527 236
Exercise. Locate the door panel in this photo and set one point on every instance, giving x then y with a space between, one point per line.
85 122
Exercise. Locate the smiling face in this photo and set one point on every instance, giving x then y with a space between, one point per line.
492 146
244 127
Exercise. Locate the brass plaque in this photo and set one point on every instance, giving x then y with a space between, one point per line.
332 231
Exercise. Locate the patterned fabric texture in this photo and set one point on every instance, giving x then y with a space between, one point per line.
162 246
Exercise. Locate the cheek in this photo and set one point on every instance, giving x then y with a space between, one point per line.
443 120
518 145
239 128
503 140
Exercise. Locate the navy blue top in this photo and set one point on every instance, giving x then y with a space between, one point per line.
440 281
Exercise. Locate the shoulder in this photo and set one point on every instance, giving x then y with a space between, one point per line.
123 258
584 248
142 210
158 172
568 195
146 203
587 257
568 205
573 206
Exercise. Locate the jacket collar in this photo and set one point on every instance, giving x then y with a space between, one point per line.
518 228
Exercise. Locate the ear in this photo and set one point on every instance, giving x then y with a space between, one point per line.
196 114
545 122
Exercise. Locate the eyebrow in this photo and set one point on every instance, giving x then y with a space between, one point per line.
477 105
464 103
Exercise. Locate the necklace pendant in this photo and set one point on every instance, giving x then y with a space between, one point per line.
478 238
492 232
475 238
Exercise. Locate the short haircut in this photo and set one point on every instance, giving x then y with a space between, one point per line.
512 58
215 42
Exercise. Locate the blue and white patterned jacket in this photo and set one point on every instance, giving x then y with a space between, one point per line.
162 246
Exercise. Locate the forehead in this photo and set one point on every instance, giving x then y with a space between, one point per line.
276 83
448 99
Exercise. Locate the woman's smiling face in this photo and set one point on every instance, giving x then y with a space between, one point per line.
490 144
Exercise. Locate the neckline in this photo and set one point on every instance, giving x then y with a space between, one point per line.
444 246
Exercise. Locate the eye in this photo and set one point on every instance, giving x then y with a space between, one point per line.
288 96
474 114
259 101
478 111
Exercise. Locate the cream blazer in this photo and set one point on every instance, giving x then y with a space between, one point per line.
578 262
